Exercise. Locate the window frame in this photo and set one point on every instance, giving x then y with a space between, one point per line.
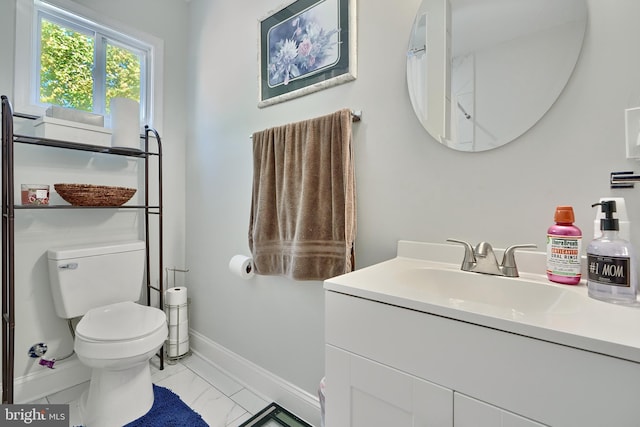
78 18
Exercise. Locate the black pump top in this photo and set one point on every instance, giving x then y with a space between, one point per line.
608 208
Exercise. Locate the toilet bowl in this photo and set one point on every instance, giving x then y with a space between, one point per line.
116 341
116 337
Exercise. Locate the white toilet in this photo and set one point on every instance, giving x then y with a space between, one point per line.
116 337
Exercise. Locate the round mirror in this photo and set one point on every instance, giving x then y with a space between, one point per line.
482 72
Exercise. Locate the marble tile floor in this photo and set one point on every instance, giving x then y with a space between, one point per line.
220 400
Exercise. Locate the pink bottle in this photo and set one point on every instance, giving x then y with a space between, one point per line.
564 244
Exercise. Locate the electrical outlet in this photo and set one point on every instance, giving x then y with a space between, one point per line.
632 132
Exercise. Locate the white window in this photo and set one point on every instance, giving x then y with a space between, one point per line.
66 56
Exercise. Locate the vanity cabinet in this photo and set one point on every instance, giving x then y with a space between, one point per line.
387 365
470 412
365 393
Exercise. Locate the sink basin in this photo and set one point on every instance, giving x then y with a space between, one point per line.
518 296
426 278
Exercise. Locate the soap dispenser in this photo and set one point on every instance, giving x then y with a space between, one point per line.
612 263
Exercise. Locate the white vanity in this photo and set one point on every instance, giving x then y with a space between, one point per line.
414 341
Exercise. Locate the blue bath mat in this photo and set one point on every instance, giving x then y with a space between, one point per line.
168 411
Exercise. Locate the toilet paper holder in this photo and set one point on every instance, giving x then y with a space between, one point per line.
174 270
177 343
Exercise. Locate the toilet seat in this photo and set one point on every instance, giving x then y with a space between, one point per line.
120 330
121 321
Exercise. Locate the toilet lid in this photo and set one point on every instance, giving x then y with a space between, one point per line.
120 322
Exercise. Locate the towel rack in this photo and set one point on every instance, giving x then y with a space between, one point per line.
356 116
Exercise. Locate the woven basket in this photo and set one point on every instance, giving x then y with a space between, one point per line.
94 195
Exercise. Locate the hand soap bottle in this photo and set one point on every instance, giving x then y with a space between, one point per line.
564 241
612 263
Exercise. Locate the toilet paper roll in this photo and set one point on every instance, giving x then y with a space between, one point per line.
182 340
179 332
125 123
176 296
242 266
177 315
177 349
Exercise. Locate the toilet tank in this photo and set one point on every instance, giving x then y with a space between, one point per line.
83 277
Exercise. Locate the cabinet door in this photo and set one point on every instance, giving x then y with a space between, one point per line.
469 412
364 393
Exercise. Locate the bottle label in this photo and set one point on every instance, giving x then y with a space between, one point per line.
609 270
563 255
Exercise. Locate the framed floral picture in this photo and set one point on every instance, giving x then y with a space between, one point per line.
306 46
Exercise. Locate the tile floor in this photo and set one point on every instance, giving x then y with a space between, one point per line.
220 400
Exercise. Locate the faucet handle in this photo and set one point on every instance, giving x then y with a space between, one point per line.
469 256
508 266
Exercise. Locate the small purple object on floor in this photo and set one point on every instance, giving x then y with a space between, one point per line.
47 363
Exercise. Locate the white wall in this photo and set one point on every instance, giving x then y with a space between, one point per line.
408 186
166 19
36 231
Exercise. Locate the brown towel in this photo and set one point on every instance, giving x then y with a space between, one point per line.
303 211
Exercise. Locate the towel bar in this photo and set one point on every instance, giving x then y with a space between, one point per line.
356 116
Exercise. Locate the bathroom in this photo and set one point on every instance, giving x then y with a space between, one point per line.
408 185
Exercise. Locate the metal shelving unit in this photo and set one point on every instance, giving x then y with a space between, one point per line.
8 214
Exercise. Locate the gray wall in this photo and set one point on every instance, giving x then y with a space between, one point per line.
408 186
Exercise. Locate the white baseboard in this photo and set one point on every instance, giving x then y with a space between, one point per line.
258 379
44 382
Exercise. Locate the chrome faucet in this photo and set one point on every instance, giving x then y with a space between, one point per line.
483 260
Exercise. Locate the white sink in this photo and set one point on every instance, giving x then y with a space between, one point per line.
426 277
519 296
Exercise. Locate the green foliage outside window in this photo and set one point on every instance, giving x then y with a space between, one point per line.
67 69
66 63
123 74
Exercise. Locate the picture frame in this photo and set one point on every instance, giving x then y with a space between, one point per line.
304 47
